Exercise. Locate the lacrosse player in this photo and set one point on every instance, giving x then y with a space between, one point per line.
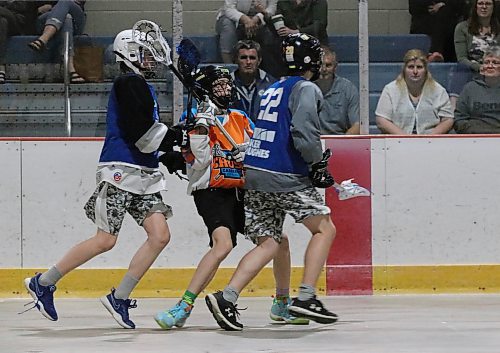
216 177
284 163
128 181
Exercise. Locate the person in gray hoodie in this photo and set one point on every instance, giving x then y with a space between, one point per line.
478 107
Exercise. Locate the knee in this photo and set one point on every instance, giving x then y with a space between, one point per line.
104 241
160 239
222 247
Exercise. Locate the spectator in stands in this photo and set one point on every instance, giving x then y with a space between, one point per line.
56 18
414 103
16 18
478 107
249 80
304 16
437 19
247 19
472 38
340 113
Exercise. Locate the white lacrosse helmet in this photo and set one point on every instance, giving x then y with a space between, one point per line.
128 51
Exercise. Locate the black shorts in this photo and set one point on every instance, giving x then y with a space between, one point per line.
221 208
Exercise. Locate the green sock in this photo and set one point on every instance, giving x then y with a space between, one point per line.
189 297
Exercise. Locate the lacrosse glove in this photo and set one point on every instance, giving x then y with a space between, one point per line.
174 161
319 174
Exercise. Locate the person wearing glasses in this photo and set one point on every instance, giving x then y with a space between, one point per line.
472 37
478 107
249 80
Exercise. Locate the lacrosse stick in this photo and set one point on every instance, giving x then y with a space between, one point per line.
347 189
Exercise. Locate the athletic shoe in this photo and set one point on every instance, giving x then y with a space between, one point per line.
224 312
312 309
279 312
43 296
118 308
175 316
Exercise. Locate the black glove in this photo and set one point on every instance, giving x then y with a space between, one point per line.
176 136
174 161
319 174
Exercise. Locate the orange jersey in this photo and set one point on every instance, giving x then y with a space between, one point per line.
224 171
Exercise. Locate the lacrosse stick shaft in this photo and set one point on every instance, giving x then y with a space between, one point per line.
225 133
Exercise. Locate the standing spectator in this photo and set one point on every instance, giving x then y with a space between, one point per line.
478 106
247 19
249 80
56 19
472 38
438 20
340 113
129 180
16 17
284 162
414 103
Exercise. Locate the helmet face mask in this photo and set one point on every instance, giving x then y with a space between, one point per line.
302 52
216 83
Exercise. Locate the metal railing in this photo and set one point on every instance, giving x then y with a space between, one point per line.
67 101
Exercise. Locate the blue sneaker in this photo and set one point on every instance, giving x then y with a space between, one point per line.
118 308
43 296
279 312
175 316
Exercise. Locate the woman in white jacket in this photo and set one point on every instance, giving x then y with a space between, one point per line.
414 103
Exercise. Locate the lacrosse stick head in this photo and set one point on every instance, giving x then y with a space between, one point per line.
148 35
216 83
189 58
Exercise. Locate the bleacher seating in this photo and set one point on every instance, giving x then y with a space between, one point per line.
89 100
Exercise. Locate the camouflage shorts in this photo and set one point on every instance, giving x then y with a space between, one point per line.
108 205
265 211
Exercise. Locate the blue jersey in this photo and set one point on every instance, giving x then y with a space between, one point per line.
271 147
116 148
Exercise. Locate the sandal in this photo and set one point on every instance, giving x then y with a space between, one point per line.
37 45
74 77
2 77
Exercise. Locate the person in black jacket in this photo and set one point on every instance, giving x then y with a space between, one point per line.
16 18
438 20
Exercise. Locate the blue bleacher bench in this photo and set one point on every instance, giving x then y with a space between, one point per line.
383 48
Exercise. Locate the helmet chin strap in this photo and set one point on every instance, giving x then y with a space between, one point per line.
133 66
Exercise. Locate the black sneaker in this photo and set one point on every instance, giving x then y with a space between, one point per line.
224 312
312 309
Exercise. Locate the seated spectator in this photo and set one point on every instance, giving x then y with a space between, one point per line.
478 107
246 19
414 103
64 16
472 38
340 113
249 81
15 19
437 19
304 16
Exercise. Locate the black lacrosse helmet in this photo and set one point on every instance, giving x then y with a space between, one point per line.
205 85
302 52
